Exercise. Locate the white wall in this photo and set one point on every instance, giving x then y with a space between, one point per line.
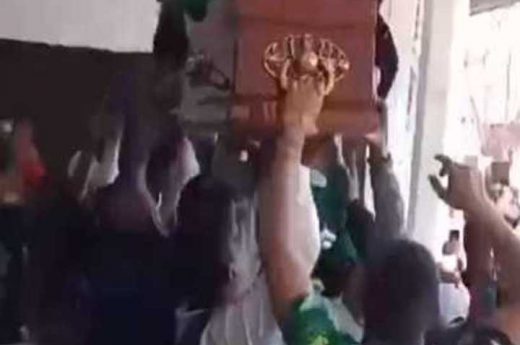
405 20
122 25
438 107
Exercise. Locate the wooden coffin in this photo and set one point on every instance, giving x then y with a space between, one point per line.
350 108
233 38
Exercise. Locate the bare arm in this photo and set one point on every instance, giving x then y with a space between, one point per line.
287 264
479 271
285 246
506 247
388 202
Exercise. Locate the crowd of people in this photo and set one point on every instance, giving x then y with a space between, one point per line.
232 241
255 247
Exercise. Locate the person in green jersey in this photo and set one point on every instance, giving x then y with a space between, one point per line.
289 256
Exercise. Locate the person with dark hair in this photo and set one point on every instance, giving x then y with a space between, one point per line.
454 297
127 259
306 317
487 232
222 294
244 315
453 245
401 297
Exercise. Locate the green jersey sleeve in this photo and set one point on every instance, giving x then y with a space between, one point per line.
311 323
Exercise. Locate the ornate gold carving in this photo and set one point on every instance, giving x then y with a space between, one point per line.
298 56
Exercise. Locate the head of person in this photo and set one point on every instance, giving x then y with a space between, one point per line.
453 246
217 235
401 294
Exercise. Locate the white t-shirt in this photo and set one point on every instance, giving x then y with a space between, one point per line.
250 320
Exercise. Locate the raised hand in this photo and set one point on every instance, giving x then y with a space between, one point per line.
465 190
302 104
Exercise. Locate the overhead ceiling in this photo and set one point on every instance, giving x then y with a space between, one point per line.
118 25
479 6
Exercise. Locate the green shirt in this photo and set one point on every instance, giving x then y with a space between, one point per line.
332 201
313 322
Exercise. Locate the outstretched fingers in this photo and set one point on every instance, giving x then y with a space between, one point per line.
284 75
446 164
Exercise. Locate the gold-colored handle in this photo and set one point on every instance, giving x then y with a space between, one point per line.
297 56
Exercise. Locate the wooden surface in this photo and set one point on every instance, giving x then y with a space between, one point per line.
350 109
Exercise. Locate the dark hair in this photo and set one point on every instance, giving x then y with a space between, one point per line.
401 296
202 229
454 235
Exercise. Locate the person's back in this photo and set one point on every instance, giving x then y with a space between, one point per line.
401 296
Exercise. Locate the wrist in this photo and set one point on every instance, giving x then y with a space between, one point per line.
480 211
292 137
289 145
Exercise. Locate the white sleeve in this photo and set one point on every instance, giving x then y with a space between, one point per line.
249 321
309 224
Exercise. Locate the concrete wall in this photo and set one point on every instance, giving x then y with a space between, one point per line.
439 92
122 25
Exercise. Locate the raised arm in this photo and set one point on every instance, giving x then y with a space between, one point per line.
388 202
287 249
466 192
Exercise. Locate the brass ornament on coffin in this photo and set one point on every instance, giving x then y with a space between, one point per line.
300 56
